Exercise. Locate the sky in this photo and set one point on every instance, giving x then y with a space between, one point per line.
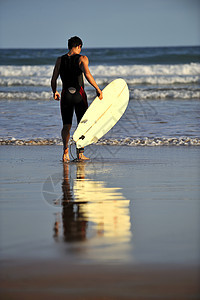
99 23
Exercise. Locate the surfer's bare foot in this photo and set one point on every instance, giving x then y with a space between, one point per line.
82 156
66 155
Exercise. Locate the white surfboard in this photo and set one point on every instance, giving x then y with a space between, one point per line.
103 114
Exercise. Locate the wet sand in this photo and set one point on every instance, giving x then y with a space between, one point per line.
62 280
146 247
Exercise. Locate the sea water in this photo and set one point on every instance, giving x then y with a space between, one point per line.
164 85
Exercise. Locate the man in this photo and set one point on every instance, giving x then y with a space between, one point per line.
71 67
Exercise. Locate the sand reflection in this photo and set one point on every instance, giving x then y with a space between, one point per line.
91 211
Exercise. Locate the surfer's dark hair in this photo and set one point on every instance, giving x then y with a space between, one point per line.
74 42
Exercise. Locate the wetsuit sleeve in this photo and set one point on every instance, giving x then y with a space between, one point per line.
55 75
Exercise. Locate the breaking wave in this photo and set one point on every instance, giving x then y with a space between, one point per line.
139 94
180 81
134 74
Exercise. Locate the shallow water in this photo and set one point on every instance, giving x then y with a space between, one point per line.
26 120
163 83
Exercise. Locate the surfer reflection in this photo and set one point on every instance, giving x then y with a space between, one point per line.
91 210
74 225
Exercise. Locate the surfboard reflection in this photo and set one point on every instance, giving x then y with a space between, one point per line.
91 211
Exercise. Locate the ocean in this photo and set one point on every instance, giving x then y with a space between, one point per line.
164 84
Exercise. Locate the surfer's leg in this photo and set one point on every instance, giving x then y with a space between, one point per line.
67 110
66 155
82 157
65 133
80 154
80 109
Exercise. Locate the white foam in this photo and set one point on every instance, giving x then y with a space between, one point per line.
136 80
136 75
163 80
26 71
157 141
110 71
128 141
20 81
146 70
26 96
141 94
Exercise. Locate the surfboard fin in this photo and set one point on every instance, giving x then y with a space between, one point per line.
84 121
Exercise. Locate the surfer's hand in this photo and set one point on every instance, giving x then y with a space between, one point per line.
56 96
100 94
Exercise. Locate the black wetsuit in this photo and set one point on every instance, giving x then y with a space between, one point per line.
73 95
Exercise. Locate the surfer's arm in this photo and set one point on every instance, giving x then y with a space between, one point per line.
54 79
84 62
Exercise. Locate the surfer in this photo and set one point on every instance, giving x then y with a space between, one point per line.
71 68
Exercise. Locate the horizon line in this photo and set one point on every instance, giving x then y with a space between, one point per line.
104 47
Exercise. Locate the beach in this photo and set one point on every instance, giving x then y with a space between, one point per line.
61 280
124 225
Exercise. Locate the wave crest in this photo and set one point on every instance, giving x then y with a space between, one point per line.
125 71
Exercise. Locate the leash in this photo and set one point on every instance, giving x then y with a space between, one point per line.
71 143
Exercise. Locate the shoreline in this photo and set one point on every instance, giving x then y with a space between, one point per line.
128 141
